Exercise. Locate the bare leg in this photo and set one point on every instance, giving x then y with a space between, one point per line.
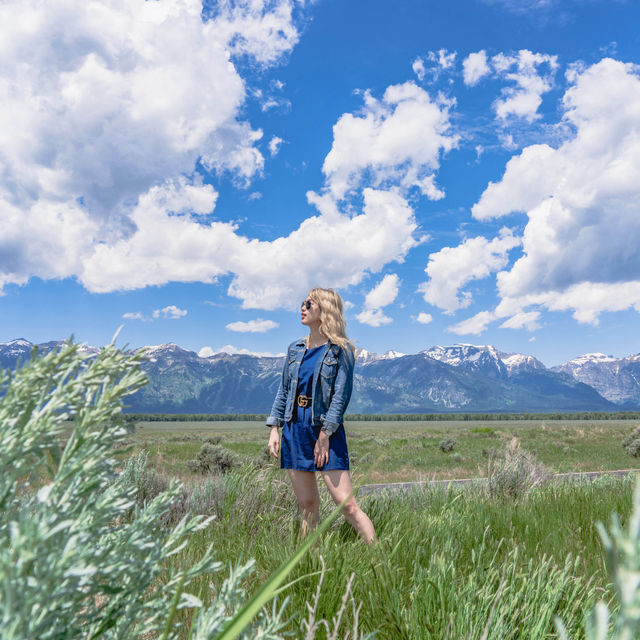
339 484
306 489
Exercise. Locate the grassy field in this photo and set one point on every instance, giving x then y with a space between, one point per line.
449 564
406 451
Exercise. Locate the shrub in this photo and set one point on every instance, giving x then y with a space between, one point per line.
622 554
631 443
78 558
447 444
213 440
214 458
514 472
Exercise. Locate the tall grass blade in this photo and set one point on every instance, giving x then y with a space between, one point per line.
267 591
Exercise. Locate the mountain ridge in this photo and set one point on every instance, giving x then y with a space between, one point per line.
459 377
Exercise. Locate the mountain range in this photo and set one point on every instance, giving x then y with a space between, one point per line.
457 378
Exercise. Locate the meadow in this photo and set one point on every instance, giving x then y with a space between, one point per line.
99 540
410 451
450 562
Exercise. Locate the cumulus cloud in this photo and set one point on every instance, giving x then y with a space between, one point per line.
261 29
106 110
171 312
523 320
418 68
452 268
438 61
374 317
424 318
274 145
580 244
475 67
382 295
396 140
475 325
523 6
178 248
207 352
252 326
531 74
102 102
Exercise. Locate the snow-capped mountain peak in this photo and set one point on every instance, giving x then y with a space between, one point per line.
519 361
589 358
390 354
485 357
366 357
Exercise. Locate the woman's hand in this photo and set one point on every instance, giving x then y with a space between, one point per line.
321 450
274 442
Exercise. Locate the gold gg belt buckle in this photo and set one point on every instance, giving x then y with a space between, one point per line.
304 401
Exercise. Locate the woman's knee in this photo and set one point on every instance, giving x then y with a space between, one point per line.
351 509
308 505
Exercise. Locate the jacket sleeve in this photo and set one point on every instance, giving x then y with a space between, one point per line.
276 417
341 391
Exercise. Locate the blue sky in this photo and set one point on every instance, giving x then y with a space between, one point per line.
460 172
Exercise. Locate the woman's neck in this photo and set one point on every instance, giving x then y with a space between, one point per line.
315 338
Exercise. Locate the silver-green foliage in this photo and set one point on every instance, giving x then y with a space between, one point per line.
622 556
78 557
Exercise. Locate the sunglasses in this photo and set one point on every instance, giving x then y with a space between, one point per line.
306 304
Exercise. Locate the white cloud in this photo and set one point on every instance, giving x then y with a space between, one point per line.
261 29
475 325
523 6
207 352
274 145
440 61
88 124
475 67
580 244
171 312
134 316
452 267
523 69
424 318
418 68
98 156
445 59
373 317
252 326
523 320
382 295
339 249
398 139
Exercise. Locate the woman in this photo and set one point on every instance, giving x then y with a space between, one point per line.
313 395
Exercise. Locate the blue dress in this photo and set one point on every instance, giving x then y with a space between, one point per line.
299 435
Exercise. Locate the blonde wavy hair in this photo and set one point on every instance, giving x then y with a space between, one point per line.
332 322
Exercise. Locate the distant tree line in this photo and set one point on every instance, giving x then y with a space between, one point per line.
389 417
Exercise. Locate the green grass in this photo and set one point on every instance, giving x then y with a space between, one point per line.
444 559
405 451
449 563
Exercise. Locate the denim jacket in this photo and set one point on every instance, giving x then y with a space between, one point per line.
329 399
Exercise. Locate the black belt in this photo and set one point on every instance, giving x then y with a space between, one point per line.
304 401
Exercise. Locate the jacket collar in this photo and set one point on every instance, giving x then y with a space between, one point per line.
330 345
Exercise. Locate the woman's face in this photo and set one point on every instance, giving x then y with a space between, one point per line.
310 316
